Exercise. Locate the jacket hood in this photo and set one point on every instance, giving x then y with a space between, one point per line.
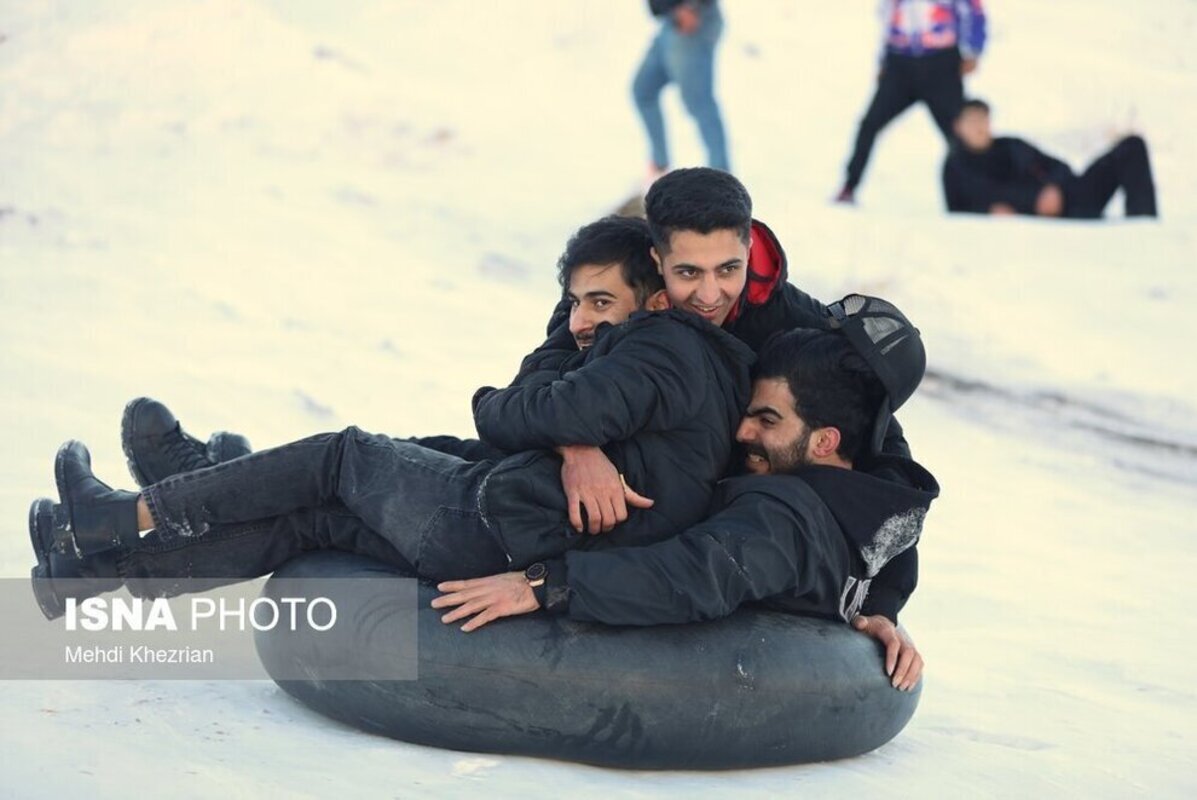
767 270
880 508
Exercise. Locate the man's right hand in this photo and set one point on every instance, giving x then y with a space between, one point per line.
592 482
1050 202
903 663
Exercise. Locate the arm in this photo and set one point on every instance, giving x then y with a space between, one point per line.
893 585
754 548
648 380
970 191
970 29
789 307
547 362
748 551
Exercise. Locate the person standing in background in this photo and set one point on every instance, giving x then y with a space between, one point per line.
683 52
929 45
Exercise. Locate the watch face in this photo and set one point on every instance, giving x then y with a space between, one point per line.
536 572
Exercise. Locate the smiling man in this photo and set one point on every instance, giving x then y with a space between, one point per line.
658 397
806 531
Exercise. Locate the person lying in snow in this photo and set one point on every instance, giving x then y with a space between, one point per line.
1006 175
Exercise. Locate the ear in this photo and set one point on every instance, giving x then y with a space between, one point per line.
656 259
825 442
659 301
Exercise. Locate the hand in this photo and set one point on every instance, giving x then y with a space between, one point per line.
592 482
1050 202
686 19
968 66
903 663
1002 210
486 599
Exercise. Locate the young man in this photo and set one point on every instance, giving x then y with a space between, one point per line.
806 531
720 263
929 46
683 52
1006 175
661 393
717 262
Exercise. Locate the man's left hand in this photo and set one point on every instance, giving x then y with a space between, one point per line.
968 66
486 599
903 663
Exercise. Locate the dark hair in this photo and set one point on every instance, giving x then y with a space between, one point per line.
974 103
833 386
614 240
697 199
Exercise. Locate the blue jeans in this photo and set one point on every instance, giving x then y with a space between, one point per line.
351 490
688 61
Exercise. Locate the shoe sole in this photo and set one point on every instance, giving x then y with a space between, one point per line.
41 516
127 441
64 494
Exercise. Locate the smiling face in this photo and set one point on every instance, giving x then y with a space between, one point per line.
597 294
774 438
704 272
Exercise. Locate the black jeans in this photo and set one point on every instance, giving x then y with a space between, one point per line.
1127 167
933 79
355 491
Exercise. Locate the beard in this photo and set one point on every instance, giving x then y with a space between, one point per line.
782 460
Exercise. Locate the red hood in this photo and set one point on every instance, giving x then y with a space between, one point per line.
766 270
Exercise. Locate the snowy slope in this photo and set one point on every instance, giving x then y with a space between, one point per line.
280 217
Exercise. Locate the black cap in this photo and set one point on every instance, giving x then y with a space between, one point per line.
891 346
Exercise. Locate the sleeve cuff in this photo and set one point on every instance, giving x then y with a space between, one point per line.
884 601
554 594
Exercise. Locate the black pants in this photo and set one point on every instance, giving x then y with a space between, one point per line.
933 79
1126 167
382 497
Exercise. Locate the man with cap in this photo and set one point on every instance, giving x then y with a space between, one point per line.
819 512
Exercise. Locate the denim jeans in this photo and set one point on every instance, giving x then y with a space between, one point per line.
689 61
351 490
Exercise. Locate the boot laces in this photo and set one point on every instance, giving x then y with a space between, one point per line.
183 454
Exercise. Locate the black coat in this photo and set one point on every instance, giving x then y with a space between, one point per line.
768 304
1011 171
810 543
662 395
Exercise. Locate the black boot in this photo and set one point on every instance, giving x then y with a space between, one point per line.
97 516
60 573
225 446
157 447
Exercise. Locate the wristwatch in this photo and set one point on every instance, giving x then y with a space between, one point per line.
536 574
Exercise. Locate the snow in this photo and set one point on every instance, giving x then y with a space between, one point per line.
282 217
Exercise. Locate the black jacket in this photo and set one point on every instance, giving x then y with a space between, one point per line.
659 8
1011 171
768 304
810 543
662 395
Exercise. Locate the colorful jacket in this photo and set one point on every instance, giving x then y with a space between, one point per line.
919 27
